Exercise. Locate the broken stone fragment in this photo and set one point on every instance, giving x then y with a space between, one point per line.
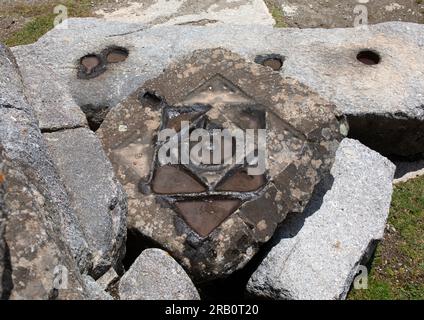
155 275
96 196
23 144
207 215
375 97
318 252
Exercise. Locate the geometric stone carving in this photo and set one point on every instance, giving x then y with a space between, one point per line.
214 217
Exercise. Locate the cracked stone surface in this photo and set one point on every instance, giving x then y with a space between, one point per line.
185 12
208 217
375 98
96 196
318 253
23 144
155 275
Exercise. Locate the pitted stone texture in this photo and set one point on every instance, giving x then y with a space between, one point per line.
182 12
319 252
23 144
376 98
155 275
209 231
96 196
30 257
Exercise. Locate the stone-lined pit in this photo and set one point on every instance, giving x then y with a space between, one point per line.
91 66
116 54
273 61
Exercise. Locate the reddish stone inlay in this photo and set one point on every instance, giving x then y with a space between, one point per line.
241 181
175 180
205 215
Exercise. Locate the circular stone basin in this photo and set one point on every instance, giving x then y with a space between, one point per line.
116 55
90 62
368 57
274 63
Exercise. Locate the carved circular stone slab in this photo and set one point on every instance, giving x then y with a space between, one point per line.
213 219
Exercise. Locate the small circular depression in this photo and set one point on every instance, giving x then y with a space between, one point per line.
368 57
273 61
116 55
274 64
90 62
91 66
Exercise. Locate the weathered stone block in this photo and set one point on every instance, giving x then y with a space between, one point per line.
318 252
97 197
23 144
33 264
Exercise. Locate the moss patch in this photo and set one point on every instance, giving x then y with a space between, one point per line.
276 13
41 18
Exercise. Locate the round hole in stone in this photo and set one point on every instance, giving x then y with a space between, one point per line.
274 64
368 57
90 62
116 55
273 61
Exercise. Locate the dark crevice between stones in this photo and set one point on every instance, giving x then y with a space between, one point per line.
52 130
234 286
368 57
273 61
367 261
135 245
6 280
391 136
95 115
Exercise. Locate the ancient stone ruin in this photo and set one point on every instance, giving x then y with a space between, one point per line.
90 210
213 218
